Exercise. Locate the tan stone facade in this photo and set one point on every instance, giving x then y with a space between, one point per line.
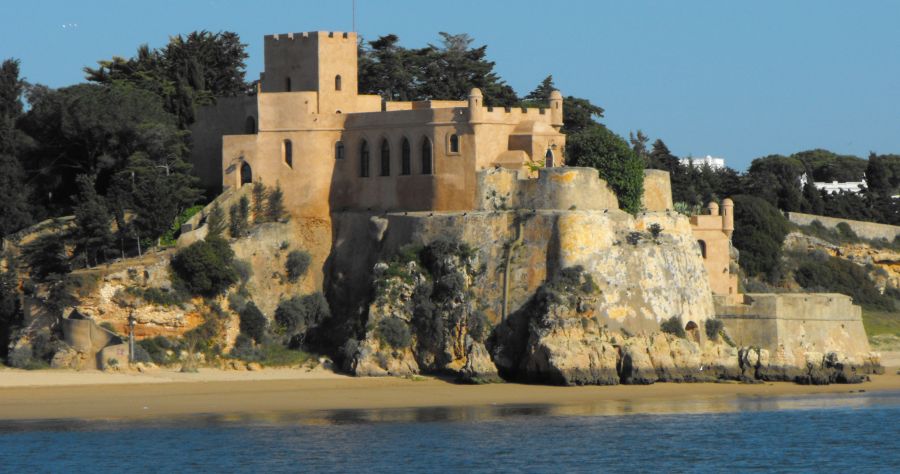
333 149
713 233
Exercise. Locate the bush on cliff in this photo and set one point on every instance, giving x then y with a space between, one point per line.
394 332
297 315
713 327
759 232
673 326
822 272
297 264
600 148
206 267
253 322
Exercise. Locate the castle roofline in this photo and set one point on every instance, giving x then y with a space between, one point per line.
311 34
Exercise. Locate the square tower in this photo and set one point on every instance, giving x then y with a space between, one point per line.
320 61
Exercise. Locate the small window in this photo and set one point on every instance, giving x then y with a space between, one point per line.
337 82
548 158
287 151
339 150
385 158
702 245
364 160
426 156
287 84
246 174
250 125
405 158
454 143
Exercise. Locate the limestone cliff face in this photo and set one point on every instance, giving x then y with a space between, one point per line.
642 277
885 262
423 317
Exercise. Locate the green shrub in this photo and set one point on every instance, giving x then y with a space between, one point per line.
300 313
478 326
822 272
171 236
158 349
206 267
141 354
674 326
46 256
713 327
160 296
394 332
759 233
297 264
845 231
655 230
253 323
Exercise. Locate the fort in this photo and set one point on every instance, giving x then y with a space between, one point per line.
461 226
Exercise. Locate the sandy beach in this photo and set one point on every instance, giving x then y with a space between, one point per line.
54 394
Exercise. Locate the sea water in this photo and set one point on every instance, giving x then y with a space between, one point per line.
848 433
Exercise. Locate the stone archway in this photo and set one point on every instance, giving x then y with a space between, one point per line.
246 174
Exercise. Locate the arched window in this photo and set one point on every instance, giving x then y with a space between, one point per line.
426 156
405 158
364 159
337 82
287 151
246 174
454 143
250 125
385 158
339 150
702 245
287 84
548 158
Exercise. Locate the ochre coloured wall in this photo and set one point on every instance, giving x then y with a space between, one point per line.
796 327
657 191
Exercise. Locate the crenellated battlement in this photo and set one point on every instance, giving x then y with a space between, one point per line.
306 35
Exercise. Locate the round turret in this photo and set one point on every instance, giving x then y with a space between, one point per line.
728 217
556 109
713 208
476 99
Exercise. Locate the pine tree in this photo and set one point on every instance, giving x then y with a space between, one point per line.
259 201
542 91
93 237
238 218
215 222
275 205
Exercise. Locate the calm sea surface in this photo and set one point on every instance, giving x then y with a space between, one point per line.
855 432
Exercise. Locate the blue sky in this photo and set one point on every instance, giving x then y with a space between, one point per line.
733 79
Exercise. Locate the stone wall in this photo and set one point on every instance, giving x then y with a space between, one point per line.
793 326
866 230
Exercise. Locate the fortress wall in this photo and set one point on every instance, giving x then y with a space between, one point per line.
791 326
227 117
866 230
565 188
657 191
287 110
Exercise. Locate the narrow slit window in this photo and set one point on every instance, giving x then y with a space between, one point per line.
337 82
426 156
339 150
405 158
288 153
385 158
454 143
364 160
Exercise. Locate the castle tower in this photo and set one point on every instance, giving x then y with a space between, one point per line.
321 61
556 110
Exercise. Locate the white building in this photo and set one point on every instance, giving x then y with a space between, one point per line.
836 187
709 160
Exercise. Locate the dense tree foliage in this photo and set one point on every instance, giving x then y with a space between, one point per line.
190 71
600 148
206 267
759 232
448 71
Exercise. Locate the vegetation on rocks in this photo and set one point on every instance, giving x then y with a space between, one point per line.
206 267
